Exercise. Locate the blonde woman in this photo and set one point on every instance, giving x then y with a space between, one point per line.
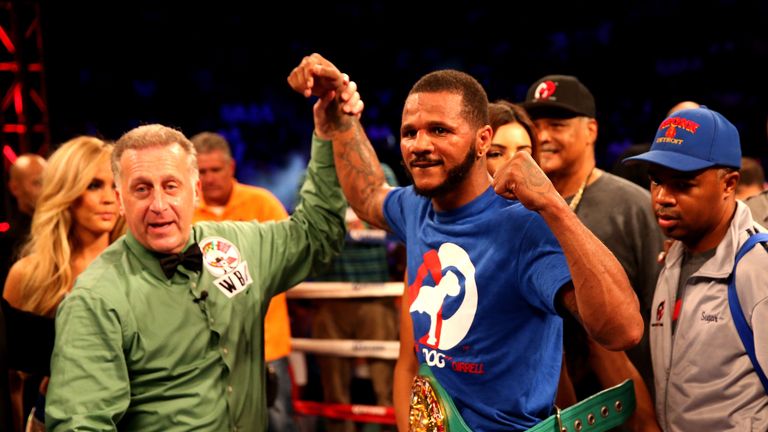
76 218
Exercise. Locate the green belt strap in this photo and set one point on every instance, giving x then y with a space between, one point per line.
597 413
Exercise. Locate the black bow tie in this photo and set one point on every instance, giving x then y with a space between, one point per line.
191 259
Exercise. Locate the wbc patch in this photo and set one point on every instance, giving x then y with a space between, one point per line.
223 261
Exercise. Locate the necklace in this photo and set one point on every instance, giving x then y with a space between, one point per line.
577 198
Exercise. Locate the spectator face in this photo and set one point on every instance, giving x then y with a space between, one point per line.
95 212
692 206
217 176
507 140
26 182
565 144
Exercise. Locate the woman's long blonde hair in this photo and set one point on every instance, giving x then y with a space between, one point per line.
52 241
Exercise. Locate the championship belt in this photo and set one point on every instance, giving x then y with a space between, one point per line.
432 409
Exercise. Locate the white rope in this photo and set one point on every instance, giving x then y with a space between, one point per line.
348 347
306 290
361 235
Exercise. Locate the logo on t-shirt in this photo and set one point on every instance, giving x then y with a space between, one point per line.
223 261
452 273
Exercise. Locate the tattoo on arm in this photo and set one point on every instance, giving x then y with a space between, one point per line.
359 163
338 122
533 180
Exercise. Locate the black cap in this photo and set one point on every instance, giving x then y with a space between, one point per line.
559 96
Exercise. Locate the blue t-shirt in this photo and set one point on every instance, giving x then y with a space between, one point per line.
483 280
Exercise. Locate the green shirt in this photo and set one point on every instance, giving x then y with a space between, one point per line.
135 351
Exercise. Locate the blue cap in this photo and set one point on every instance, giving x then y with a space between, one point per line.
694 139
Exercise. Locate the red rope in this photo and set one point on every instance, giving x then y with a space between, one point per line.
358 413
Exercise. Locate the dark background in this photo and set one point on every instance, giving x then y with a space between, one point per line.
113 65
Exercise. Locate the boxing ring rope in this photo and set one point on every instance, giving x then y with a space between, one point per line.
326 290
355 413
387 350
346 348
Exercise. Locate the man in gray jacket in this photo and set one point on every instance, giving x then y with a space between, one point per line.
704 379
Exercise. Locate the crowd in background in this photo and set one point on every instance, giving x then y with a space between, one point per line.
61 215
